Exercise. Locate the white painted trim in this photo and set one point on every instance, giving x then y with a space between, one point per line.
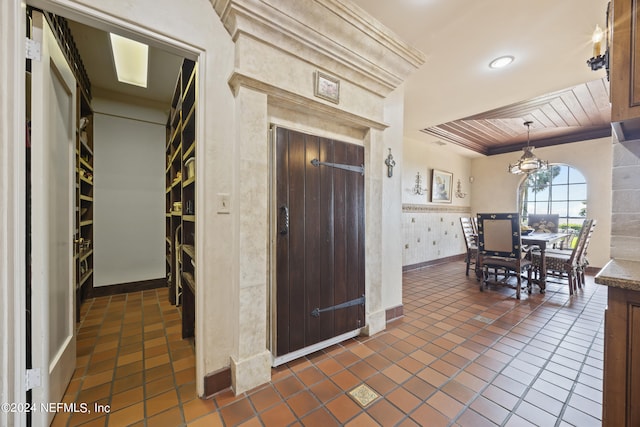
106 22
279 360
200 202
12 208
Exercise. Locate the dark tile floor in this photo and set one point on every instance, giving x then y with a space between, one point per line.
458 357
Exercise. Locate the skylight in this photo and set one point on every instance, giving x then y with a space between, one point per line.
131 59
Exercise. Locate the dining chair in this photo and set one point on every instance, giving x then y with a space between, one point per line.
499 247
583 262
470 241
543 223
474 223
565 263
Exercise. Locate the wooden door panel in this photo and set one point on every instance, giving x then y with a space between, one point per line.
297 254
326 297
320 259
352 219
312 239
341 231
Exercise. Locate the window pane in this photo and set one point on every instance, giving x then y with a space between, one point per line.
575 176
539 193
578 192
560 174
563 223
559 208
541 207
577 208
560 192
529 208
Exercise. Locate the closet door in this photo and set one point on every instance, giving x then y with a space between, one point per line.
53 174
320 240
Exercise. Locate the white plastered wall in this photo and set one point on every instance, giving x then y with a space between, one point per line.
129 192
392 196
431 231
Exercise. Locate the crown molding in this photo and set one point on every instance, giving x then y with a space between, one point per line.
335 35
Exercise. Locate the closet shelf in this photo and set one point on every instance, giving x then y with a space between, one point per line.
190 281
189 250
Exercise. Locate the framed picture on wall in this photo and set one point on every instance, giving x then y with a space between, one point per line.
441 184
327 87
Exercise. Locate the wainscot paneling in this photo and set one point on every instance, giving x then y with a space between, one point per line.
431 232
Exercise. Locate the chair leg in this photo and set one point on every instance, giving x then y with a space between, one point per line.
572 279
468 263
529 285
518 284
580 274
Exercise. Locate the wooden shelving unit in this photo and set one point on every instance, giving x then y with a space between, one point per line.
180 196
84 199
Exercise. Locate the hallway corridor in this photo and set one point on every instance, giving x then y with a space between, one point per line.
458 357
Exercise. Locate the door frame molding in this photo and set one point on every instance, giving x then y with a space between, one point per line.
12 219
273 226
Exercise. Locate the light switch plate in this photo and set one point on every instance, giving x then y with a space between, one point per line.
224 203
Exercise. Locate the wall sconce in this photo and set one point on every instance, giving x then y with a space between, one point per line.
390 164
417 189
601 60
459 193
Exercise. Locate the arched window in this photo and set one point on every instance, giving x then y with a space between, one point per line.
560 190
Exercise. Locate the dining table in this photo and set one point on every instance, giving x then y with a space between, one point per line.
542 241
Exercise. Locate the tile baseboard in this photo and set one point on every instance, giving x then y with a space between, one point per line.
217 381
460 257
394 313
125 288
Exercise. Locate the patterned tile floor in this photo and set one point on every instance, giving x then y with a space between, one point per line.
458 357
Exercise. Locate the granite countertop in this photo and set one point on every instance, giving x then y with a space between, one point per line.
619 273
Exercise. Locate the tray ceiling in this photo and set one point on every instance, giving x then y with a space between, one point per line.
574 114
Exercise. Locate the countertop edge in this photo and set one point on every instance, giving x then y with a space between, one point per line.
624 274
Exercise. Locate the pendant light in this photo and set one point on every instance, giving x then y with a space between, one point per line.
528 163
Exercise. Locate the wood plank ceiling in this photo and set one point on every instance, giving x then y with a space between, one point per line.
575 114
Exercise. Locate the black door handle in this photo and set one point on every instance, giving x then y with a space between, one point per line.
284 215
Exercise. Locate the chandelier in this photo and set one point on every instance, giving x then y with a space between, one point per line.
528 163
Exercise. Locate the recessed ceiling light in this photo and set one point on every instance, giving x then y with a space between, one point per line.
502 61
131 59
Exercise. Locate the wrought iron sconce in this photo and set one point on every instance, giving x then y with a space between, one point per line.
417 189
601 60
390 164
459 193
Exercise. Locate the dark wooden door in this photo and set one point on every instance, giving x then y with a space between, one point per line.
320 240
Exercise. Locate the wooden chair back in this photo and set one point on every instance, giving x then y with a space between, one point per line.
469 233
499 234
588 227
474 223
578 249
